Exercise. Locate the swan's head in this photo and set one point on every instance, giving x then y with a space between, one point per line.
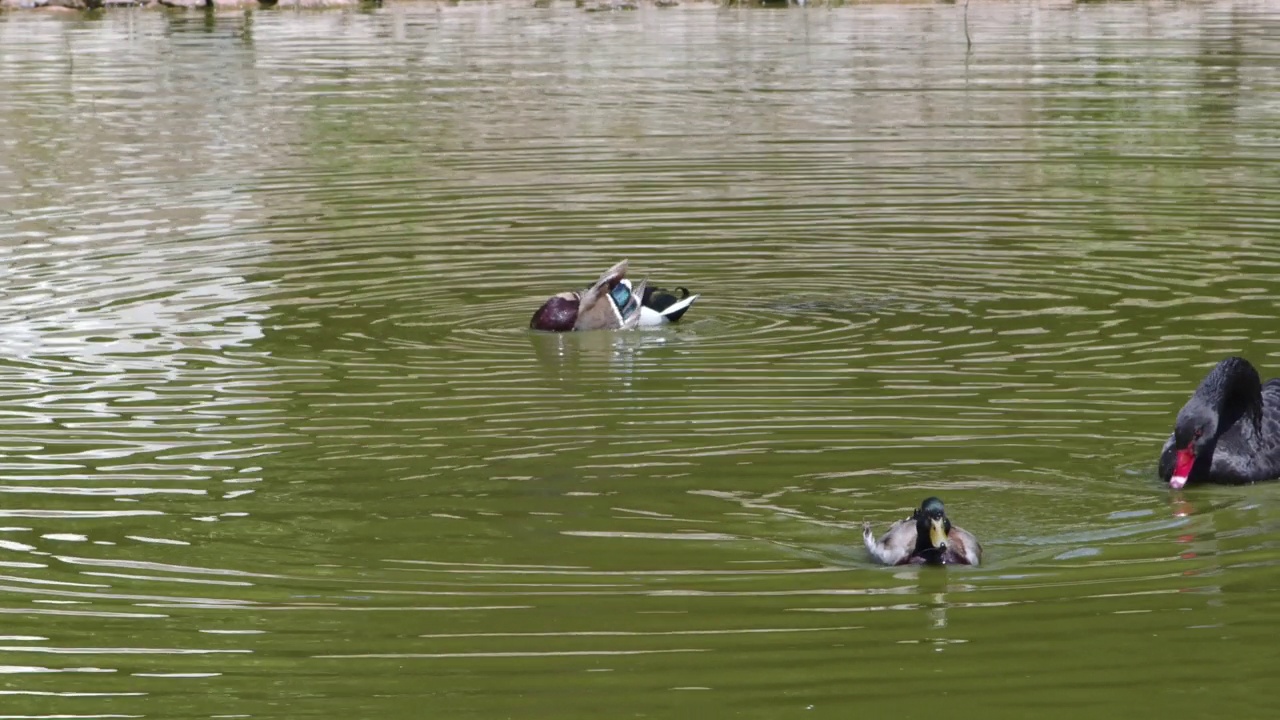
932 527
558 314
1193 436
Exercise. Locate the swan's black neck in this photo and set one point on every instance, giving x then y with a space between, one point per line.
1234 391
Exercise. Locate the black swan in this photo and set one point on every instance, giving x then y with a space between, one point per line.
1228 432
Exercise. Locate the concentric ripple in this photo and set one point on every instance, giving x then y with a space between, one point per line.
277 442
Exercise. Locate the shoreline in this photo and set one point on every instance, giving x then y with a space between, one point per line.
96 6
91 6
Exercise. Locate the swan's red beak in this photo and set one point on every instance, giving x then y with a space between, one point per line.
1182 463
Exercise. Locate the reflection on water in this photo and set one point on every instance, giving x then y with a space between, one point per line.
273 434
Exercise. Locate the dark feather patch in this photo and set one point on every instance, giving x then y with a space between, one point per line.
556 315
660 299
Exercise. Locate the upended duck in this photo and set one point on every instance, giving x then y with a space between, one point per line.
927 537
612 303
1228 432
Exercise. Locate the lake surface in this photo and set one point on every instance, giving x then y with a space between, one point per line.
275 442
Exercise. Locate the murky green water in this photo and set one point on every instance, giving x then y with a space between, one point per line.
275 444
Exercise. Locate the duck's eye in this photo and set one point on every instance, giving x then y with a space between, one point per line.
1199 432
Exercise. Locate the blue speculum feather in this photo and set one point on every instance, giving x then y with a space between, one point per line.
621 294
626 300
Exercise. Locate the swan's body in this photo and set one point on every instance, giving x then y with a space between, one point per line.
927 537
1228 432
612 303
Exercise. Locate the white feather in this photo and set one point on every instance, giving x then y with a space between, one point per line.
652 318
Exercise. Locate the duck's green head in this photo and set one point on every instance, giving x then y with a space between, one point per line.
932 526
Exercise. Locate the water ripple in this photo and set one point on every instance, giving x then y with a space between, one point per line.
268 399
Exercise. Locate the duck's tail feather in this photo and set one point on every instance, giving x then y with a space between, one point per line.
659 298
668 304
674 311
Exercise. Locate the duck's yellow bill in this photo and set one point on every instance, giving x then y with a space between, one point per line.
937 533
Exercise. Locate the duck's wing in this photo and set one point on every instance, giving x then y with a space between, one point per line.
894 547
629 310
597 309
962 547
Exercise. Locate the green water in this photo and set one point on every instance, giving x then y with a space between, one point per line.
274 442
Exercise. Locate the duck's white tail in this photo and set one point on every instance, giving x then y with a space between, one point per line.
650 317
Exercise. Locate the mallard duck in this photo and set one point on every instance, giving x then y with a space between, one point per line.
1228 432
925 537
609 304
612 303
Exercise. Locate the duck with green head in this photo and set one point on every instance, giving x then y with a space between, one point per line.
612 303
927 537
